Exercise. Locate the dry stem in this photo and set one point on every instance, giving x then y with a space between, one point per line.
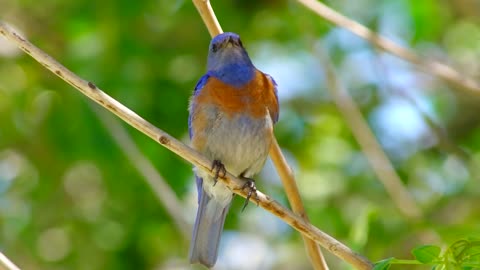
6 264
161 189
293 196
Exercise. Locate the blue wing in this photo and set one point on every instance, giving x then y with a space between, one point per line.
200 84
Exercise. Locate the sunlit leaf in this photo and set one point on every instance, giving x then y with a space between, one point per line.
383 264
426 253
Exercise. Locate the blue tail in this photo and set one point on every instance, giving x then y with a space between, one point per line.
208 230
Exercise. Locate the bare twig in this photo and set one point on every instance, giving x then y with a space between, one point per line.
288 180
377 158
182 150
161 189
6 264
293 196
435 68
208 16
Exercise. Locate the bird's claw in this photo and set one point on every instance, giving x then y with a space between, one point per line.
252 189
218 167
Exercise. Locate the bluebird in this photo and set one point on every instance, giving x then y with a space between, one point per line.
232 112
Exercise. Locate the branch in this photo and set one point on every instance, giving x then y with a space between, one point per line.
182 150
377 158
293 195
435 68
160 188
6 264
208 16
314 252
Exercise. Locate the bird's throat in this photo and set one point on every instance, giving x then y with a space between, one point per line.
236 75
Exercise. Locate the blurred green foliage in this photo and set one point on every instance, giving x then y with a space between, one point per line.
462 254
69 198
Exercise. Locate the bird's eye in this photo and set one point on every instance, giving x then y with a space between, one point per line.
214 47
240 42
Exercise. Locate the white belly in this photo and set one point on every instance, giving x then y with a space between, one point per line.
241 144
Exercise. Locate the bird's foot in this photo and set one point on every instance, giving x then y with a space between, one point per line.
219 169
252 189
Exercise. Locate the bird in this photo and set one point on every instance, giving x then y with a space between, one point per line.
231 116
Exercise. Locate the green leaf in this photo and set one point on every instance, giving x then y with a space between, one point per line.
383 264
426 253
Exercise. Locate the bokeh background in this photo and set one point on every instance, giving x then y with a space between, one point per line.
71 199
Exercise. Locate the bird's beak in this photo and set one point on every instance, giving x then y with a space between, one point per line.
230 42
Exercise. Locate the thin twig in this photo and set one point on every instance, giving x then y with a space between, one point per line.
435 68
93 92
208 16
161 189
314 252
6 264
293 196
377 158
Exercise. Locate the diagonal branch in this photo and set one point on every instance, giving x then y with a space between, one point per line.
6 264
160 188
293 196
432 67
288 180
208 16
93 92
377 158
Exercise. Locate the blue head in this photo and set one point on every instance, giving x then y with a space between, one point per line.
229 61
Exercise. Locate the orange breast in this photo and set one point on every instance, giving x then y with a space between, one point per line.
253 98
